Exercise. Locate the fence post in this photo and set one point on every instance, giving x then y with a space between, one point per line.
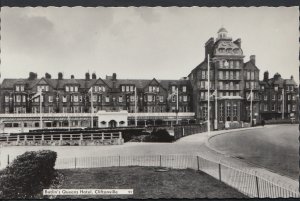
220 176
7 159
257 187
159 160
75 162
119 160
198 167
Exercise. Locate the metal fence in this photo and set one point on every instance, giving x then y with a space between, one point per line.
244 180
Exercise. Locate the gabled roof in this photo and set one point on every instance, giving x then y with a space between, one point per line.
290 82
250 65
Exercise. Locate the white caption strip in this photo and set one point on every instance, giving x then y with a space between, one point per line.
87 191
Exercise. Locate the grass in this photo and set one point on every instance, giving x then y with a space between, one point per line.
275 148
147 183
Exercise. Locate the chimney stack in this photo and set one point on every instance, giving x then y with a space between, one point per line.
252 59
47 76
72 76
266 76
60 76
238 42
94 76
87 76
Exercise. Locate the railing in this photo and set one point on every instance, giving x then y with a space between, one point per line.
244 180
24 139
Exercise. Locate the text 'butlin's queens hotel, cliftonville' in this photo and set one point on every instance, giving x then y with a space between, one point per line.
231 81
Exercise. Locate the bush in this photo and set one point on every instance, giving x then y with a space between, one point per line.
160 135
28 174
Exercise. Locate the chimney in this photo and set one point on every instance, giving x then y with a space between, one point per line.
72 76
94 76
266 76
209 46
276 76
47 76
32 76
238 42
292 77
87 76
60 76
252 59
114 76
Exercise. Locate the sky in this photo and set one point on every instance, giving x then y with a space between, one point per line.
146 43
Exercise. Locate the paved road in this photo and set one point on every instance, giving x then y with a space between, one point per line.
276 148
191 145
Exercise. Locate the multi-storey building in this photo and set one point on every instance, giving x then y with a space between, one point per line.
231 82
110 94
279 97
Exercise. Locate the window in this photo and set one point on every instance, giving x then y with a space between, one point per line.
237 64
289 108
131 88
203 74
183 88
276 88
221 64
107 99
262 88
220 85
127 88
184 98
291 88
234 110
237 74
67 88
161 99
248 75
293 108
237 86
46 88
150 98
75 98
265 97
279 97
80 98
50 99
173 98
273 107
273 97
221 112
94 98
227 86
131 98
17 88
289 97
18 98
120 99
64 99
293 97
279 108
6 99
228 110
265 107
231 64
220 75
226 75
123 88
252 75
173 88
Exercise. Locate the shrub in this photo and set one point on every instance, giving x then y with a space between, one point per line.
28 174
160 135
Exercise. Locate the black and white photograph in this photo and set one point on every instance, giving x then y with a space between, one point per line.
149 102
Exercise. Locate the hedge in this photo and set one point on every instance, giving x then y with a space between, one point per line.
28 175
160 135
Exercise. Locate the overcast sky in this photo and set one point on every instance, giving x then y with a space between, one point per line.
165 43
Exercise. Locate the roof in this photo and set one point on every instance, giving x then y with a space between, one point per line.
57 83
250 65
290 82
222 29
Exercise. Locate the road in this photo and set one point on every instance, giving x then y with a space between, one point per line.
275 148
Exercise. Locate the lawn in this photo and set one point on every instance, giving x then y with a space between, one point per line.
275 148
146 182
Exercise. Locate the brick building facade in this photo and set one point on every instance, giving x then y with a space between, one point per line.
232 80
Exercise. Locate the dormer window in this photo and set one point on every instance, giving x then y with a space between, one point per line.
19 88
276 88
153 88
71 88
98 89
173 88
127 88
183 88
42 88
